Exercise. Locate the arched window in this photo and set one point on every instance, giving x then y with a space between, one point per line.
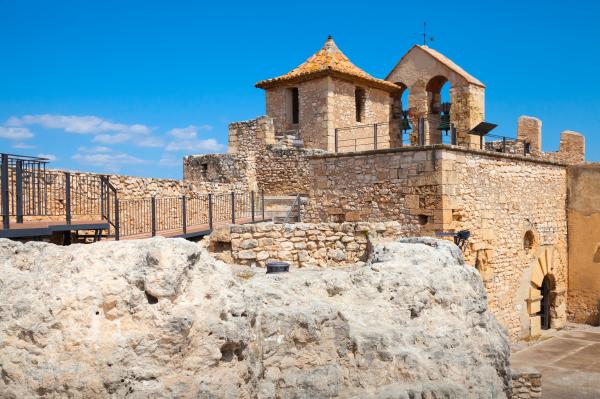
360 99
399 101
528 241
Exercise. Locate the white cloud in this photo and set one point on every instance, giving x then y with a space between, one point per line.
189 132
150 142
94 149
21 146
170 160
105 158
15 133
50 157
77 124
208 145
186 139
112 138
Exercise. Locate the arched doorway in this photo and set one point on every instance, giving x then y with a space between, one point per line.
545 304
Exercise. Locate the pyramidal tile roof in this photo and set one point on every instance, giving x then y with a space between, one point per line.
328 61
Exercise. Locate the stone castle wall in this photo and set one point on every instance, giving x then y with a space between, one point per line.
584 243
256 161
396 185
300 244
284 171
497 197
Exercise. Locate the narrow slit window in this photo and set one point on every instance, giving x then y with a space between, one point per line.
295 105
359 98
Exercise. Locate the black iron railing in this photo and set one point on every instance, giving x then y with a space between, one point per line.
506 145
387 135
29 190
22 186
189 213
377 136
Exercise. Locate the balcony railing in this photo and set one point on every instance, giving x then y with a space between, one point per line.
384 135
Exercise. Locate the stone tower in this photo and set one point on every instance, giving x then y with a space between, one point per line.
325 93
423 72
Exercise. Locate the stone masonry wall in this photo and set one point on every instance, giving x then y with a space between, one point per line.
301 244
526 384
584 243
284 171
397 185
343 106
498 199
254 162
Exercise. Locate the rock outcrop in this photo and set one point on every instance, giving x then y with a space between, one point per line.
161 318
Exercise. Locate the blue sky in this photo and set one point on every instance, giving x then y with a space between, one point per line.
133 86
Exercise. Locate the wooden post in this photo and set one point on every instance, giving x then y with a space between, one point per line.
336 140
153 215
68 196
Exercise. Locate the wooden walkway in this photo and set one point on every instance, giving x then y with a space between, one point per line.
46 228
191 231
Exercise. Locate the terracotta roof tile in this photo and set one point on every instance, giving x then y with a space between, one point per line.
329 61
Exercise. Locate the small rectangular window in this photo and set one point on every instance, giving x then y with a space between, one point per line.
295 106
359 99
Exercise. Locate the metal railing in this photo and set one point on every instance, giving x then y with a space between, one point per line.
188 214
386 135
506 145
362 137
29 189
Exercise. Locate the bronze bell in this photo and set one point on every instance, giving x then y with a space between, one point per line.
405 122
444 124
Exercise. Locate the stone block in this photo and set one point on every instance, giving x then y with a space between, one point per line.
249 243
246 255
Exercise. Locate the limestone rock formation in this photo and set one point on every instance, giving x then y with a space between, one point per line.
160 318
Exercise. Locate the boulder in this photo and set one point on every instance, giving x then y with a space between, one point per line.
161 318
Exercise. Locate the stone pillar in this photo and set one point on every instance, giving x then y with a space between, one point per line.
529 129
417 104
466 112
572 147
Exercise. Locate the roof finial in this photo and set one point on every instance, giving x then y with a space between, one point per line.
329 37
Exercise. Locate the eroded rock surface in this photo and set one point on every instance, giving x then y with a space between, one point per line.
161 318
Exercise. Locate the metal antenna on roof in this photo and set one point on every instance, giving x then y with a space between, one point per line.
425 35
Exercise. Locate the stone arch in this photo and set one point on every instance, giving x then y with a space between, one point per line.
398 107
543 268
433 88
